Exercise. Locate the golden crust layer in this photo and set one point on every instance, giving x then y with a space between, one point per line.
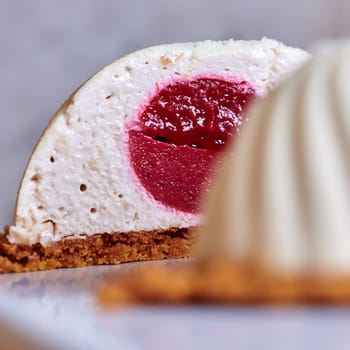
220 283
98 249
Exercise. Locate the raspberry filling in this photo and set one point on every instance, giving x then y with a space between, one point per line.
175 144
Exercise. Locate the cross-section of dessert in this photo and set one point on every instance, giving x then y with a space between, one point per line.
119 173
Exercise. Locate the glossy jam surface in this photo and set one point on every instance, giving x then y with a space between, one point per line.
175 144
201 113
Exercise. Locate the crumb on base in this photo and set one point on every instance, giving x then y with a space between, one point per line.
98 249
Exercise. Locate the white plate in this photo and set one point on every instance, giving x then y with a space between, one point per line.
57 310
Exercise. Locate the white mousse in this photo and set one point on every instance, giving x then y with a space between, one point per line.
283 198
79 180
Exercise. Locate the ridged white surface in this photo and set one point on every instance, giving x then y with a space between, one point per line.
86 139
283 197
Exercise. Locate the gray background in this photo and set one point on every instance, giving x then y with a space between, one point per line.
48 47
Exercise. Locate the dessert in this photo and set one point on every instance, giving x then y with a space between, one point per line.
285 196
119 173
278 223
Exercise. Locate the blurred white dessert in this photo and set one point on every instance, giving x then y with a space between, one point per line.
283 196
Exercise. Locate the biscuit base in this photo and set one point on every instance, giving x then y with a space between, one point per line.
220 283
99 249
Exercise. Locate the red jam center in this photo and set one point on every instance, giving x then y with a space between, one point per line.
179 134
